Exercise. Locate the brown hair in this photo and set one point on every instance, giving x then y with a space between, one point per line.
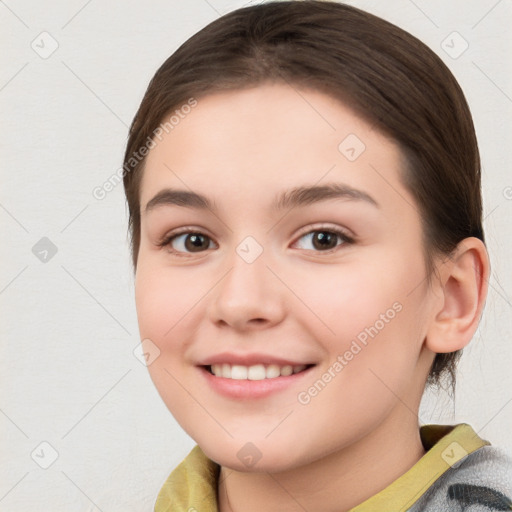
386 75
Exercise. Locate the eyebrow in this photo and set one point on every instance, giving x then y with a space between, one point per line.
298 196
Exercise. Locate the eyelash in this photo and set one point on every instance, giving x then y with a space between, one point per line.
167 240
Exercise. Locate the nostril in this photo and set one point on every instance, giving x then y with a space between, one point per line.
258 320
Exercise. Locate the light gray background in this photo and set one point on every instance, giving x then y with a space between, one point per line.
69 376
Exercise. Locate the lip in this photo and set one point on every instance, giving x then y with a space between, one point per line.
250 360
251 389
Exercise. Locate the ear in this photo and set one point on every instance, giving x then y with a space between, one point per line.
461 293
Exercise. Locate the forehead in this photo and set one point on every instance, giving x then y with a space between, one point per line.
250 143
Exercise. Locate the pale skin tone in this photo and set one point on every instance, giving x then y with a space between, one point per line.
241 149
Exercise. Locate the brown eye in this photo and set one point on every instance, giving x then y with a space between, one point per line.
325 240
195 242
186 242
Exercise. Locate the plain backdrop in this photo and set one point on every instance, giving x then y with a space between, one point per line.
82 426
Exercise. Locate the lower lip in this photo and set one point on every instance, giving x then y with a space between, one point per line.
249 389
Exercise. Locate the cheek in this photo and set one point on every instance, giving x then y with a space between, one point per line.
164 301
165 309
379 351
344 301
369 315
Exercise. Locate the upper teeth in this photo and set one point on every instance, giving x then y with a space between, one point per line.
255 372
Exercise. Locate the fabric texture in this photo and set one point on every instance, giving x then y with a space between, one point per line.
459 472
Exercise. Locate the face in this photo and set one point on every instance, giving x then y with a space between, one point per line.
310 307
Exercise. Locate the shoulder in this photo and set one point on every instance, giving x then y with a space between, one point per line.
482 481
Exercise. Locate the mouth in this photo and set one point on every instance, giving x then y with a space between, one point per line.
255 372
258 381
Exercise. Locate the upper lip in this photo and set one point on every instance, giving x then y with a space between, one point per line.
249 360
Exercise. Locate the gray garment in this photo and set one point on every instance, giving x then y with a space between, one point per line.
480 482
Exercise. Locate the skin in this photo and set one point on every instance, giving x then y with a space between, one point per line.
242 148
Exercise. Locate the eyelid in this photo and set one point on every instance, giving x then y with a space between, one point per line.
328 227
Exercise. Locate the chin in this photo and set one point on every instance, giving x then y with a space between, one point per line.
253 457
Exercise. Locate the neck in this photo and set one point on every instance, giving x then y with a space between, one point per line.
335 483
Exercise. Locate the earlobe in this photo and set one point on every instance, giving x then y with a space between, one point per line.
463 290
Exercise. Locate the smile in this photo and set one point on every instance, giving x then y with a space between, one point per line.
256 381
254 372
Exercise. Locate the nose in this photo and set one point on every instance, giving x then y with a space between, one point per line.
248 297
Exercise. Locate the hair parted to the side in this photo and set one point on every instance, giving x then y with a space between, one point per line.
386 75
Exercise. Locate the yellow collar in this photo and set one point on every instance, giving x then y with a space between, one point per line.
447 445
192 486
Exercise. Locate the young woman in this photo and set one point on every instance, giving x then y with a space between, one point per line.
303 182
